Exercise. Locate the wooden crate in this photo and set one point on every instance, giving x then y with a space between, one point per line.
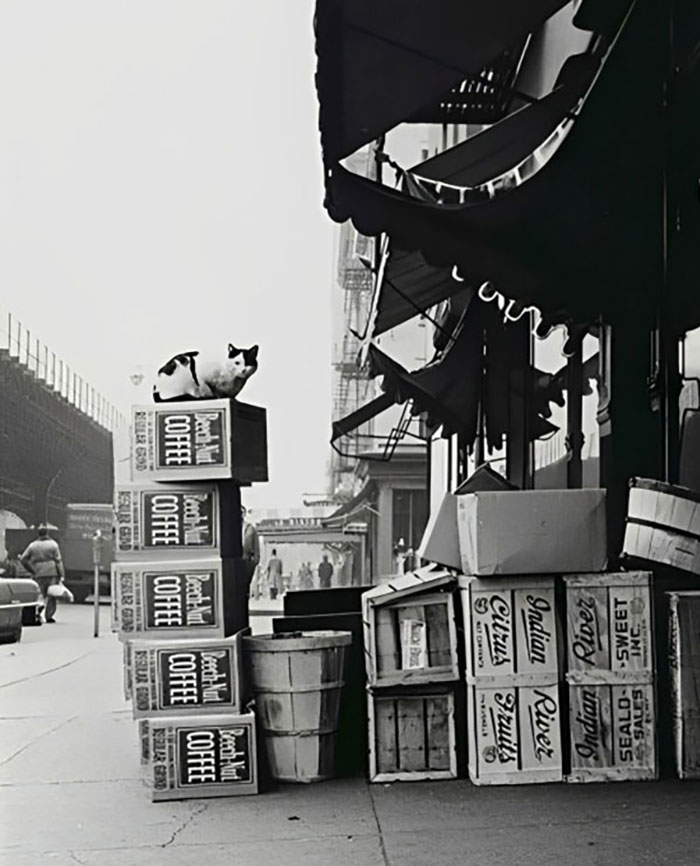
510 631
198 440
611 677
610 628
613 732
684 663
412 735
168 599
410 632
204 756
514 734
188 677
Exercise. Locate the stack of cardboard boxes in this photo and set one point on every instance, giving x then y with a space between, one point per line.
179 590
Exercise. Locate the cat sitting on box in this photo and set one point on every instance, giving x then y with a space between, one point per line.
204 375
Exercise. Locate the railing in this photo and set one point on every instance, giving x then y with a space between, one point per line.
39 360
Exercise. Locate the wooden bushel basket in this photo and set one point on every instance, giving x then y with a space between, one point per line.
297 680
663 525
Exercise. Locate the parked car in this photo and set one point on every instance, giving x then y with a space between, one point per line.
20 604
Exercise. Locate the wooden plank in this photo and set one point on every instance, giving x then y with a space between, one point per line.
615 578
386 642
440 646
587 627
684 662
437 711
383 737
411 734
591 727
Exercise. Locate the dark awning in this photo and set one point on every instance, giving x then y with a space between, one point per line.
380 62
584 231
361 416
510 141
351 508
407 286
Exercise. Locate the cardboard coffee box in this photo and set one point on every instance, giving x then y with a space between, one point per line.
170 522
510 631
199 440
169 599
187 677
539 532
514 734
202 756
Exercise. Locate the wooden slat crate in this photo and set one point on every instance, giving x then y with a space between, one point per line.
203 756
510 631
613 732
611 677
514 734
684 662
188 677
412 735
410 631
610 628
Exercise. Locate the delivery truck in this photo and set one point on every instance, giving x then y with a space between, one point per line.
76 543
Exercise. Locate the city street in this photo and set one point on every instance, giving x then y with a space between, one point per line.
71 791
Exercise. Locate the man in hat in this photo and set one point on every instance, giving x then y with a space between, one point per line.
43 561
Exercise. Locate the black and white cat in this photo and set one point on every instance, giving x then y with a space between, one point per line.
205 375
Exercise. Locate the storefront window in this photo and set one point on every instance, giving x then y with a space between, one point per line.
409 516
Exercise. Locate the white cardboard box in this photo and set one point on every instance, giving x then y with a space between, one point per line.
440 542
532 532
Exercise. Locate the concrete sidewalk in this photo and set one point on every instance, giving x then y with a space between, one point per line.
71 792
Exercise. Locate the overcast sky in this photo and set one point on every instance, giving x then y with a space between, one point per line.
161 189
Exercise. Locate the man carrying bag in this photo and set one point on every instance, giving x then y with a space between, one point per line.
43 561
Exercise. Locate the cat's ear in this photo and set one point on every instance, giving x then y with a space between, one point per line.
232 350
252 353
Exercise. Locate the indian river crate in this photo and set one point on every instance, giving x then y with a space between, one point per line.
613 732
412 734
202 756
169 599
199 440
684 662
610 628
514 734
188 677
166 521
409 629
663 525
510 631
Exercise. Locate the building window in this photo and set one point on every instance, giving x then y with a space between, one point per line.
409 516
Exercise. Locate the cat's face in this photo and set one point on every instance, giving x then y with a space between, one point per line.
242 363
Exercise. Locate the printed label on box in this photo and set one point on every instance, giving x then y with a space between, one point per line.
497 729
492 632
166 519
591 723
414 644
199 677
540 729
633 725
190 438
214 755
535 630
630 628
587 615
181 599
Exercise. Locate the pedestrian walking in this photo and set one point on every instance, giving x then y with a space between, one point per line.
42 559
274 574
325 573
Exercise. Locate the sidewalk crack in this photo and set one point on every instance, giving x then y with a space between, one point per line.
33 742
382 845
195 813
